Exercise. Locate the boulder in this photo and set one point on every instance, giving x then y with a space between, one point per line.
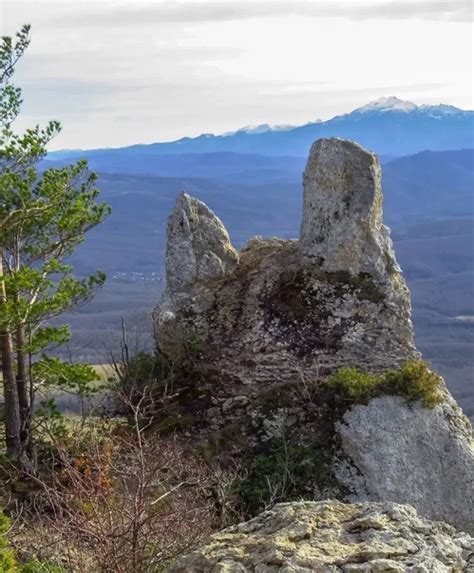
419 455
330 536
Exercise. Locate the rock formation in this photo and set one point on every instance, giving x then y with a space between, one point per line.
342 228
274 320
198 249
335 298
331 536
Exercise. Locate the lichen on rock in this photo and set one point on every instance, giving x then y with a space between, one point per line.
330 536
412 454
198 244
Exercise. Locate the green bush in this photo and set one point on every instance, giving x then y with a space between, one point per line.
414 381
147 379
157 371
352 386
7 561
144 379
145 370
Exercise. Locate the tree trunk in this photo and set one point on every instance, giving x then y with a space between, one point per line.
11 404
10 389
21 382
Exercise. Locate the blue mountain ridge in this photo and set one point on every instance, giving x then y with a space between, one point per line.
388 126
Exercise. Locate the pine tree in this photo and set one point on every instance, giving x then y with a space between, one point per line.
44 216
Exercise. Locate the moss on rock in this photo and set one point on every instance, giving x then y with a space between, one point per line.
414 381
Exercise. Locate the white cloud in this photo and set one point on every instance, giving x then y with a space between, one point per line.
122 72
152 12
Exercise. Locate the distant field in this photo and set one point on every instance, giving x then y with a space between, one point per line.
105 371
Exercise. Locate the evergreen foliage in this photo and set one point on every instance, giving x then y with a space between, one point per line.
43 218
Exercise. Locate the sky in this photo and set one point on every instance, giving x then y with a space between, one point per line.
120 72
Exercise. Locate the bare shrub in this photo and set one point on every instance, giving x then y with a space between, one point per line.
132 500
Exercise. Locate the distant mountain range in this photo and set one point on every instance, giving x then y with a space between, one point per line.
388 126
426 187
429 185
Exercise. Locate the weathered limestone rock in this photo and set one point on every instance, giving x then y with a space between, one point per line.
289 308
198 244
342 228
304 537
274 320
420 456
198 248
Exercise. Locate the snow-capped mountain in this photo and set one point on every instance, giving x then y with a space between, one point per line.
387 104
383 104
441 110
262 128
389 126
394 104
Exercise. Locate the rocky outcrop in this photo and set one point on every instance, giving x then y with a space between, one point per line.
198 249
299 308
270 323
419 455
331 537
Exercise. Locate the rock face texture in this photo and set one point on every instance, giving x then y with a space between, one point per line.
342 228
333 537
273 321
421 456
198 245
198 249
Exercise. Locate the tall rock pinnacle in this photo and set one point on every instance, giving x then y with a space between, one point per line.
342 228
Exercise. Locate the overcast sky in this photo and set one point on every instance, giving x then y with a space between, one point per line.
118 72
